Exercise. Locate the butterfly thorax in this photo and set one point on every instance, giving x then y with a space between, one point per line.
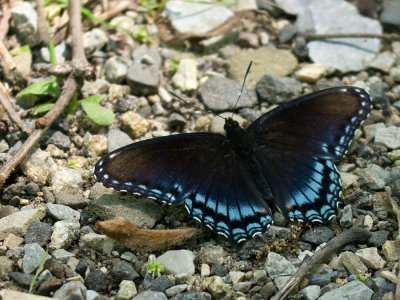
242 143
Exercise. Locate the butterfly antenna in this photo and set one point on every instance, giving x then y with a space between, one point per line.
244 80
186 102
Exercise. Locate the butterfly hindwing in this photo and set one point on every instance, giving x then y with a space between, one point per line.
228 202
320 124
305 188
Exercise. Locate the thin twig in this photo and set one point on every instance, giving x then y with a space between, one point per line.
42 23
353 235
384 36
6 102
4 21
69 88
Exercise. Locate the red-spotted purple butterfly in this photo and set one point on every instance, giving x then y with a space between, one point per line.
283 159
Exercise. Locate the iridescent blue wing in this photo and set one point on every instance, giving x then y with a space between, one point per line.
321 124
298 142
197 168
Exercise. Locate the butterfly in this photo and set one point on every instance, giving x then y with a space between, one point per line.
285 158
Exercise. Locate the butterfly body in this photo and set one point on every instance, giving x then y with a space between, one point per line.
283 159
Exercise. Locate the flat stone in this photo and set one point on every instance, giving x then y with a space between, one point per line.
38 232
71 290
391 250
105 204
6 267
277 89
371 258
277 265
98 242
185 77
64 234
236 276
352 290
62 212
197 18
266 60
19 222
352 263
117 139
6 294
33 256
177 262
370 130
374 176
127 289
345 54
12 241
153 295
220 93
388 137
134 124
311 292
390 13
310 72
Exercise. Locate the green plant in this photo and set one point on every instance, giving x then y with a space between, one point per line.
20 50
362 278
142 35
154 267
72 163
38 271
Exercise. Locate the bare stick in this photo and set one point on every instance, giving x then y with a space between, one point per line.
353 235
4 21
385 36
42 23
69 88
6 102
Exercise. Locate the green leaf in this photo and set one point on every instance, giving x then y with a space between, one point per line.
42 108
95 112
362 278
20 50
38 271
72 164
45 87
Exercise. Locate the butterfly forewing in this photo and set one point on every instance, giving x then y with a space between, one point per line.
167 168
321 124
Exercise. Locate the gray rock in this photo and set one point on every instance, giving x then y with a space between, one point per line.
92 295
371 258
23 280
275 89
71 200
160 284
383 61
191 295
157 109
370 130
287 33
61 212
74 290
60 50
33 256
390 13
122 270
382 285
188 17
32 189
352 290
128 256
37 165
18 222
185 77
117 139
24 23
277 265
389 137
64 234
266 60
94 39
322 279
293 7
97 281
374 177
378 238
146 295
62 255
338 16
143 75
98 242
311 292
99 86
176 121
142 212
242 287
38 232
64 179
346 220
177 261
59 139
220 93
318 235
173 290
115 69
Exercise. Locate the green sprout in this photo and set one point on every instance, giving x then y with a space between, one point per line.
362 278
154 267
72 163
38 271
